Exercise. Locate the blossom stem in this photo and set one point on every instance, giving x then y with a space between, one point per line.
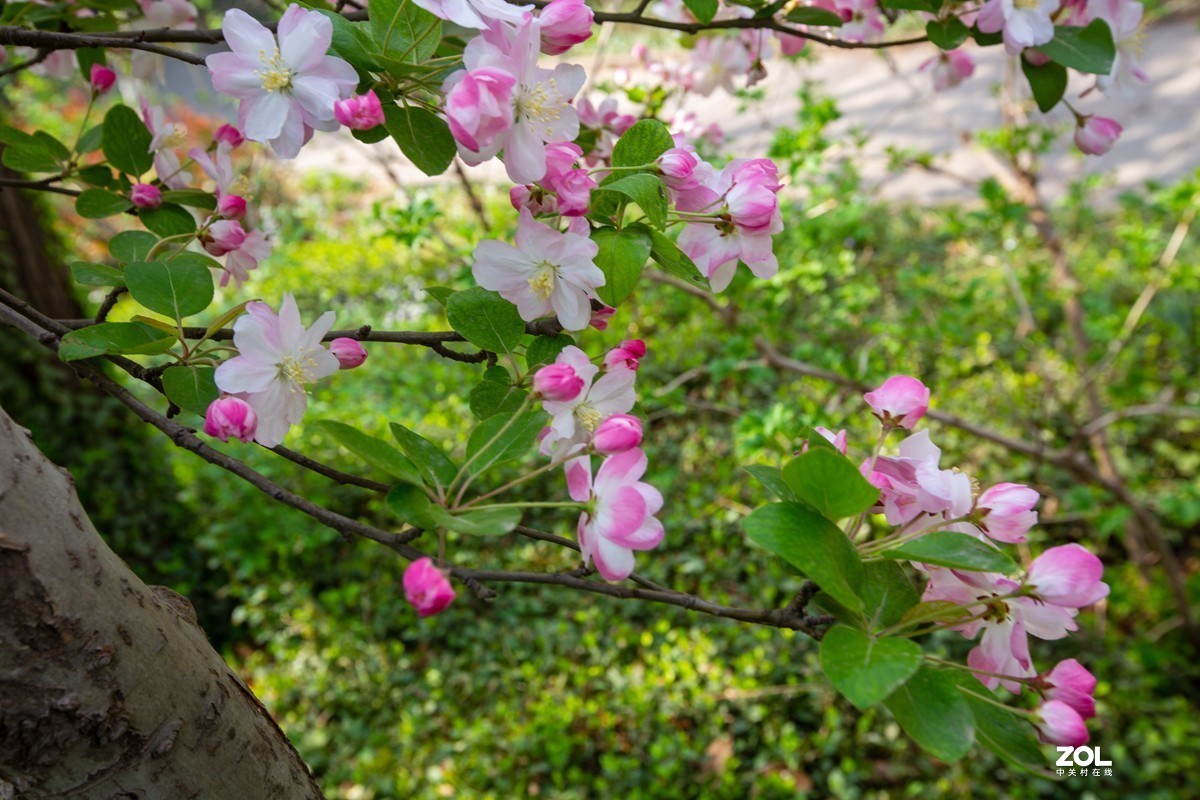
1019 712
462 473
899 537
516 482
964 667
536 504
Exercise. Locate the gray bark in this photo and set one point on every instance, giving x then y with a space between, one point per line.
108 687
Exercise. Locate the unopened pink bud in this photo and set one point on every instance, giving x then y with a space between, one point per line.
1008 511
600 318
564 24
1071 683
230 417
361 112
901 400
426 587
349 353
557 382
227 134
628 355
231 206
146 195
1059 724
1096 135
102 78
618 433
223 237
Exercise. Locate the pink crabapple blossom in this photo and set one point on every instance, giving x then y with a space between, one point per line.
476 14
911 483
349 352
479 106
285 83
1025 23
101 78
145 195
557 383
901 400
620 518
1095 136
949 69
1059 724
360 112
1124 18
573 421
426 587
1067 576
1007 511
231 206
228 134
277 357
230 416
564 24
629 355
618 433
1070 683
547 272
165 137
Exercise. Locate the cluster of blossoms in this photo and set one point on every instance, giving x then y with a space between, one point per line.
919 496
1025 25
590 417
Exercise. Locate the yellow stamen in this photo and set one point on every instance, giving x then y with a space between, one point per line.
297 372
276 75
542 282
588 417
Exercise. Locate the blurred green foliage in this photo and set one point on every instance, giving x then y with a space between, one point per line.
544 692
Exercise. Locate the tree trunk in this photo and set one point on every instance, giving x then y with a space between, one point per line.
108 688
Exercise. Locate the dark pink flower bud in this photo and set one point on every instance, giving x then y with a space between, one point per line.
557 382
1009 511
901 399
102 78
146 195
564 24
682 168
1067 576
600 318
574 191
227 134
1096 135
230 417
628 355
1071 683
231 206
618 433
426 587
361 112
223 237
1059 724
349 353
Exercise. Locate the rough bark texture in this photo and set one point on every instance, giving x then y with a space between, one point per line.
108 688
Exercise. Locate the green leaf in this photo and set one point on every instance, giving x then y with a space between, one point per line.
439 293
486 522
30 157
131 338
931 6
168 220
702 10
190 197
812 544
132 245
177 288
489 398
488 447
544 349
955 550
648 191
986 39
192 388
1089 49
412 505
52 146
948 33
827 481
91 140
642 144
423 136
931 709
864 669
13 137
1007 735
90 274
485 319
100 203
621 257
434 464
404 31
809 15
1048 83
676 262
887 594
126 141
375 452
97 175
772 478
